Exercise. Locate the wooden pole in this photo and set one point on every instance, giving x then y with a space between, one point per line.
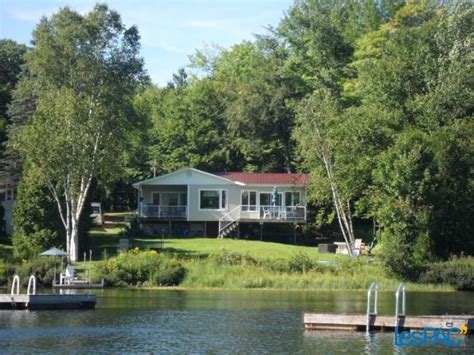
294 232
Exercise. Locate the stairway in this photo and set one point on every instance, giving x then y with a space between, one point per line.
229 222
228 229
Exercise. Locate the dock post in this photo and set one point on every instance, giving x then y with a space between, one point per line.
374 287
401 288
31 286
15 285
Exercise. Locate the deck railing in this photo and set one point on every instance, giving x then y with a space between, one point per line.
288 213
154 211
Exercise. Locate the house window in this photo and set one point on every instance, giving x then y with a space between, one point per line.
183 199
249 200
169 199
223 199
292 198
155 198
266 199
212 199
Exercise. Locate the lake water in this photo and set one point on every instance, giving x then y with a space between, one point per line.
174 321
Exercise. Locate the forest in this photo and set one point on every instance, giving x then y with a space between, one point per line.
372 98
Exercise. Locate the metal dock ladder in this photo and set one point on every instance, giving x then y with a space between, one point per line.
400 289
374 287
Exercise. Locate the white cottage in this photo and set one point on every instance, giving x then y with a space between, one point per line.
194 202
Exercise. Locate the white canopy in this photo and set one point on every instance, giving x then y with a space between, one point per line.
54 252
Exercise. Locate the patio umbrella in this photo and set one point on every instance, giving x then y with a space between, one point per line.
54 252
274 195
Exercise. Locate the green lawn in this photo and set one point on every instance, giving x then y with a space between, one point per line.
107 239
256 249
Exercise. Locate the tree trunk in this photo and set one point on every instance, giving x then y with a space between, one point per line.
287 158
74 241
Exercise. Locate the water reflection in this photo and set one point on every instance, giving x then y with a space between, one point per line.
176 321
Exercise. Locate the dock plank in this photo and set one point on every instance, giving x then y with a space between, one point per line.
324 321
22 301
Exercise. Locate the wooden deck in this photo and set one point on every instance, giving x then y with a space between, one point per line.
30 302
78 284
356 322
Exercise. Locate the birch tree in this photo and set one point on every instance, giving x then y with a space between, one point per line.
86 69
316 133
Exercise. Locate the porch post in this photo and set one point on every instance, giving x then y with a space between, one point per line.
139 201
187 203
294 231
261 231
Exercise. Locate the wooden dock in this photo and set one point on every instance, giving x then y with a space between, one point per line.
78 285
31 302
358 322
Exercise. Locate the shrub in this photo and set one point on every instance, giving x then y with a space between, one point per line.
169 274
233 258
136 268
301 262
3 273
276 265
402 257
458 273
43 268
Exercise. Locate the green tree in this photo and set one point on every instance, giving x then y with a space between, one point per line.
318 132
257 93
186 127
88 69
12 57
400 133
36 222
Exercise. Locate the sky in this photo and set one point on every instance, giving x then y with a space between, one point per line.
170 30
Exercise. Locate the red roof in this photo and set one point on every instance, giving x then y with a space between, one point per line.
267 178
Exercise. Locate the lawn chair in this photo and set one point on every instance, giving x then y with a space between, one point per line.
68 277
266 212
359 245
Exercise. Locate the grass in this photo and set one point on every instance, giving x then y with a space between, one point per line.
243 264
205 247
206 274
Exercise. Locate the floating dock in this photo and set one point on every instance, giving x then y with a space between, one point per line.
373 321
77 285
32 302
358 322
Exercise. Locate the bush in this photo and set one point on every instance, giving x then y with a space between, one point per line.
458 273
276 265
43 268
137 268
301 262
402 257
233 258
3 273
169 274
